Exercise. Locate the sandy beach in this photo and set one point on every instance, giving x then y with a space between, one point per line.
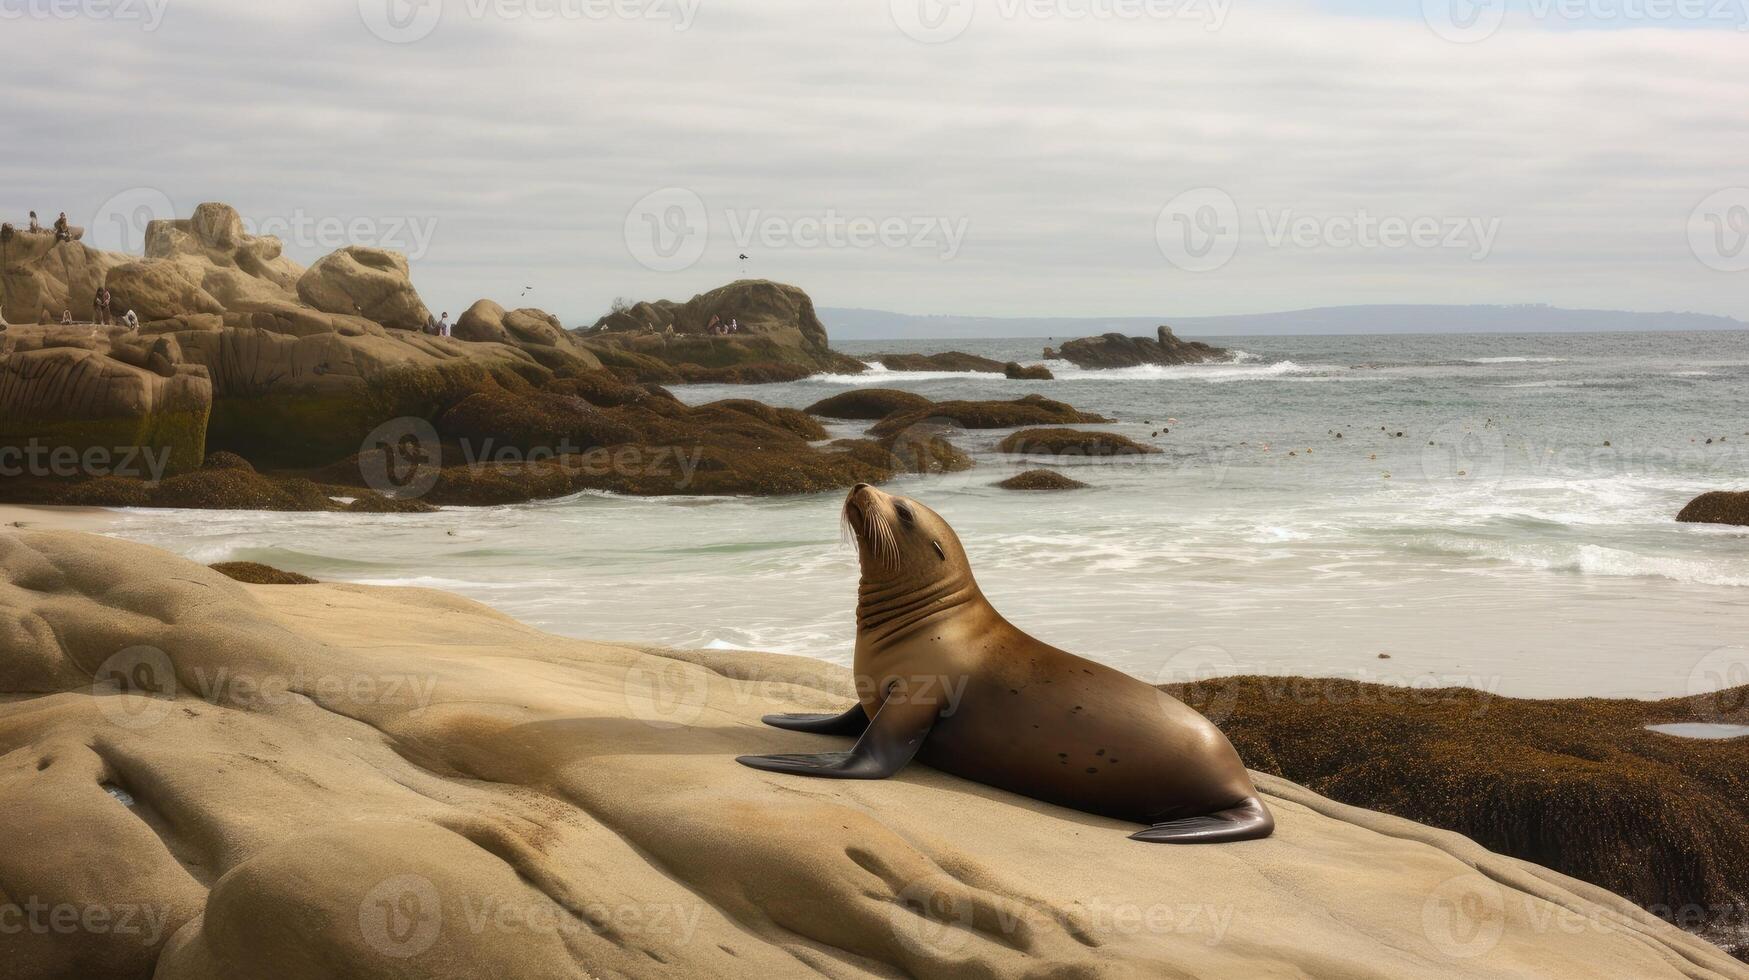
410 784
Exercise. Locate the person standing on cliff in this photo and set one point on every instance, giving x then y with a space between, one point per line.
62 234
100 307
35 225
443 327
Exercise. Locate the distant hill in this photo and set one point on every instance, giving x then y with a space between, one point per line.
849 324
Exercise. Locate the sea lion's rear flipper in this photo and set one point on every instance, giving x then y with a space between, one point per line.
891 741
852 722
1249 820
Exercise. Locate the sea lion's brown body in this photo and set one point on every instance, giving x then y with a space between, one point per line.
944 678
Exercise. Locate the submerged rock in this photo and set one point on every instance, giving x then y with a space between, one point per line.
1717 507
952 360
1041 480
867 403
1072 442
1018 372
1031 410
1114 350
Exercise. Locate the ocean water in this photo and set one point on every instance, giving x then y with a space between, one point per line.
1518 536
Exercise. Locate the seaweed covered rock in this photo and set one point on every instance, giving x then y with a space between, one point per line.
867 403
1071 442
1717 507
255 573
952 360
496 418
1114 350
1031 410
1040 480
1581 786
1016 371
240 490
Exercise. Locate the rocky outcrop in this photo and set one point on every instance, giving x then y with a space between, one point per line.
76 407
372 282
1031 410
255 573
867 403
1580 786
40 277
1040 480
1717 507
952 360
1016 371
391 783
300 364
1114 350
1071 442
776 325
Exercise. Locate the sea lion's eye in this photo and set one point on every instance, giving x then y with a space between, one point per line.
905 515
937 546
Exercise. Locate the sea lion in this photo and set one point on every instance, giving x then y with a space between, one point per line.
943 678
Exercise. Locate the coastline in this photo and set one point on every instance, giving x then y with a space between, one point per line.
331 746
53 517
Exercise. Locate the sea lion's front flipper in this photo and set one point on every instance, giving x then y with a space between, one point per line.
892 740
1249 820
852 722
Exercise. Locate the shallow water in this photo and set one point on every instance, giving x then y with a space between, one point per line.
1498 543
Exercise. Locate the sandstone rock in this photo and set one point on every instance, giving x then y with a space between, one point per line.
1040 480
159 290
480 799
1034 372
1717 507
1114 350
1071 442
374 283
1031 410
117 418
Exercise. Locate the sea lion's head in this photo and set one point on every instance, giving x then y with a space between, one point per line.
901 542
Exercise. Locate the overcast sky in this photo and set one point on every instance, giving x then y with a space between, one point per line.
982 157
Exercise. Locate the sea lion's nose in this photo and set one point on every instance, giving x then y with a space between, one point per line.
860 487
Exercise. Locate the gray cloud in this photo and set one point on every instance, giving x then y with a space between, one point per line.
522 143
